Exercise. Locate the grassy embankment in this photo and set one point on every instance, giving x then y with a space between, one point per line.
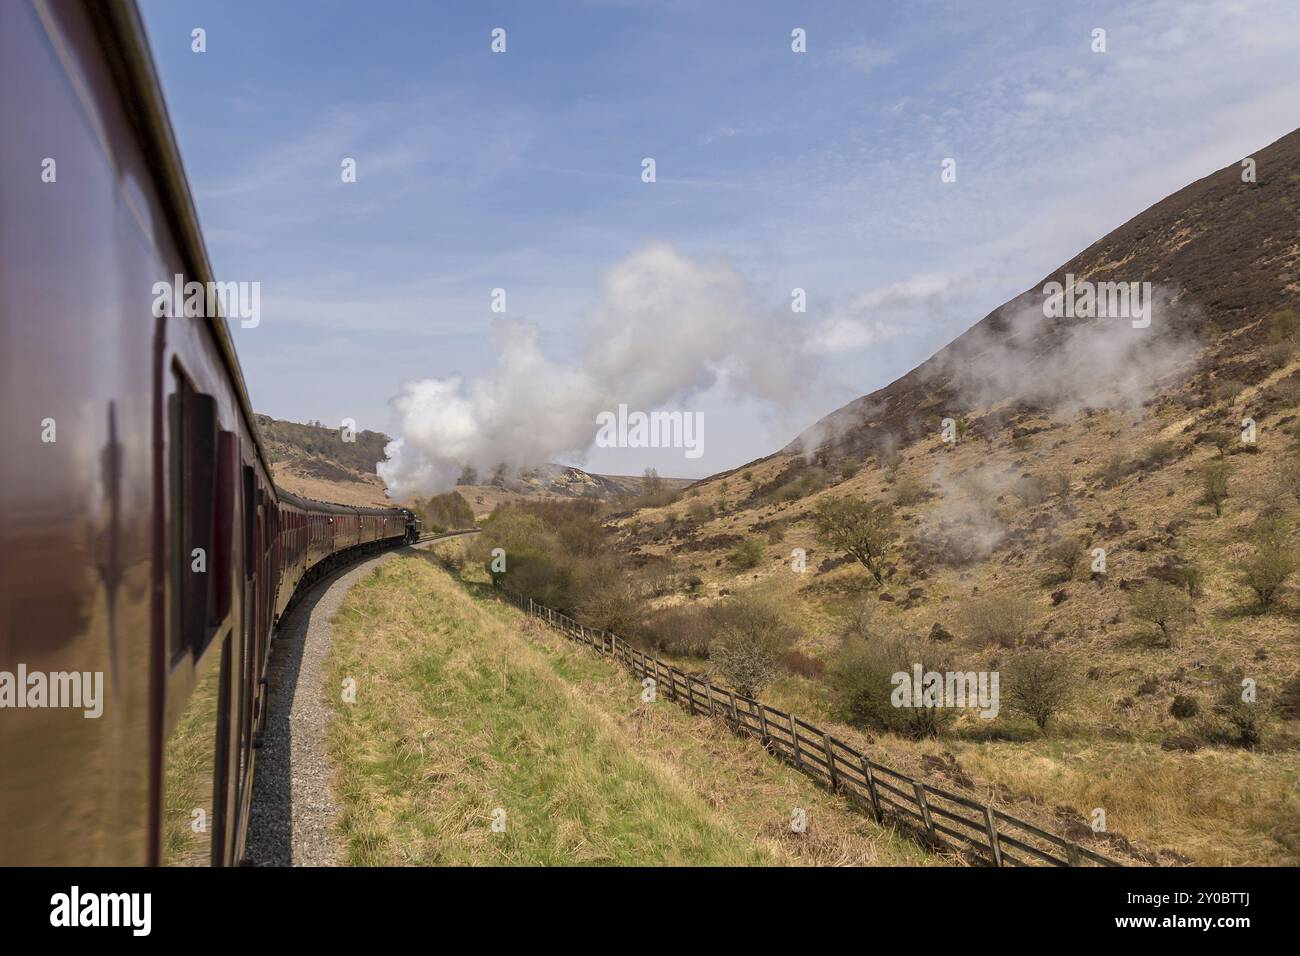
464 707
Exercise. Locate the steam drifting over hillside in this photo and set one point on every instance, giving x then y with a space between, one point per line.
667 327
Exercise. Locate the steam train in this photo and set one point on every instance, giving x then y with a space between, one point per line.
145 552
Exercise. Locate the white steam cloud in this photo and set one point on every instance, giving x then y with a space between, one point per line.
667 327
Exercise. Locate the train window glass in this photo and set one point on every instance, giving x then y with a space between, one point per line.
223 527
250 518
194 451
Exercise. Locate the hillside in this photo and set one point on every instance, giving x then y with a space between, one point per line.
1221 255
1170 453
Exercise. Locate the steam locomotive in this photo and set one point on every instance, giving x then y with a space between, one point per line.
145 552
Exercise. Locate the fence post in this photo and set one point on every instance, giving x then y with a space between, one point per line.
734 718
830 760
871 787
708 692
690 694
992 832
762 724
794 742
1072 854
924 804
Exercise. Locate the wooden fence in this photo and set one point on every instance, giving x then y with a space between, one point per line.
938 818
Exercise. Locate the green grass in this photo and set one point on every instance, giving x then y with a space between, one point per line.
464 707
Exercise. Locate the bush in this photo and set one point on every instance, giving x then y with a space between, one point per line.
1065 556
1273 560
909 491
447 512
1244 722
699 512
805 665
1057 483
1039 683
1029 491
862 684
1163 605
1221 440
683 631
751 634
1288 478
1214 485
776 532
1184 707
1226 390
862 529
1002 619
746 555
1115 470
1160 453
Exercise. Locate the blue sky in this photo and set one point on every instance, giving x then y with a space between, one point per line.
820 170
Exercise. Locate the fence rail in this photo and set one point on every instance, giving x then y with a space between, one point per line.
938 818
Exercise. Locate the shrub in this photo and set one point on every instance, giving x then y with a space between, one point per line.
1115 470
685 630
909 491
1002 619
446 512
1221 440
1184 707
1288 477
746 555
751 634
606 600
1064 556
1057 483
1278 354
1214 485
862 529
805 665
1245 721
699 512
1029 491
1226 390
1039 683
862 684
1160 453
1163 605
1273 560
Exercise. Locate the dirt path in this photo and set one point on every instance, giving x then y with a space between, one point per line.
293 809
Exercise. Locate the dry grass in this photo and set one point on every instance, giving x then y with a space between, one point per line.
1218 805
463 706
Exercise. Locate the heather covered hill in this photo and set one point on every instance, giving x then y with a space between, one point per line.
1221 255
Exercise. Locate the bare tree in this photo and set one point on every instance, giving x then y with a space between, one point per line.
1214 485
862 529
1039 683
1163 605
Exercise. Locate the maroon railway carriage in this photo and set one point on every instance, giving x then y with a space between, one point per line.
141 536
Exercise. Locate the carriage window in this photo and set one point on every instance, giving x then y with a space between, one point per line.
223 528
250 519
193 457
